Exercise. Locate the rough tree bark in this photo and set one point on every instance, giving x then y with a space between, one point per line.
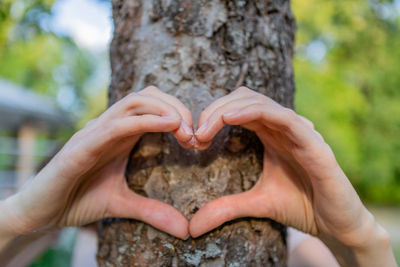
198 50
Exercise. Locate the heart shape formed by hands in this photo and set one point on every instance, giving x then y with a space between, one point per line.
301 184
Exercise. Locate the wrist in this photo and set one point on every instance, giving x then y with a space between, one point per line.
368 246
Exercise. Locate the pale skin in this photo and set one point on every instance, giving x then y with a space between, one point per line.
301 185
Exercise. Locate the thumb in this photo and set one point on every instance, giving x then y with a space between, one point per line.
160 215
247 204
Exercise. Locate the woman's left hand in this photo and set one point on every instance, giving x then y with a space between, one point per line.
85 181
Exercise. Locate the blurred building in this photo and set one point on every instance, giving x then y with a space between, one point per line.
24 117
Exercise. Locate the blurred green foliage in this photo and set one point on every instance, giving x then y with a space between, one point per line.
33 56
347 71
60 254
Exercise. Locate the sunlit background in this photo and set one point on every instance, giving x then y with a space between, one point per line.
54 74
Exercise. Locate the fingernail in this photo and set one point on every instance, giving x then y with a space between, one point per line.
230 113
186 128
202 128
192 141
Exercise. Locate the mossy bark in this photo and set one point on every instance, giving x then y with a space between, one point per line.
198 50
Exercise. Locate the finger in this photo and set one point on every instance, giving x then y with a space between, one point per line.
132 105
227 208
186 145
215 122
194 143
160 215
307 121
136 104
202 145
98 139
311 125
185 132
276 117
173 101
156 106
241 92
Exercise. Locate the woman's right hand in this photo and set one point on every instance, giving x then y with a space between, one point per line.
301 185
85 181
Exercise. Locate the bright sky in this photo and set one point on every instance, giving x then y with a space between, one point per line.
88 22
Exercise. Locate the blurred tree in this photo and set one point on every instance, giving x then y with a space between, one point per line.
347 77
198 51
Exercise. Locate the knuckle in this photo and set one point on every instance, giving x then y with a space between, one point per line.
243 89
171 110
258 109
219 111
150 90
131 95
129 98
247 91
266 99
90 123
216 116
259 99
291 115
111 129
307 122
79 134
131 101
291 119
311 124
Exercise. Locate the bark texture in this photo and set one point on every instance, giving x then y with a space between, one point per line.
198 50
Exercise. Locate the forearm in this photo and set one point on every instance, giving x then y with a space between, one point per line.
373 250
6 232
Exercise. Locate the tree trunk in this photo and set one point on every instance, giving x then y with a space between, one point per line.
198 50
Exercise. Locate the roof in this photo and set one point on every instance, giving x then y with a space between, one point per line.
19 105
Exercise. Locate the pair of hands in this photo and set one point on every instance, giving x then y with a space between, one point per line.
301 185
